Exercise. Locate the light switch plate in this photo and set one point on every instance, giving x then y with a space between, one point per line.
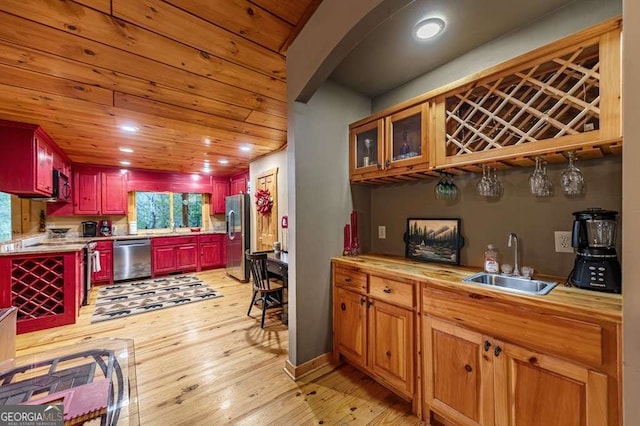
563 241
382 232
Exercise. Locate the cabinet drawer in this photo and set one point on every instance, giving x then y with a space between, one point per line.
211 238
350 278
548 333
173 241
104 245
396 292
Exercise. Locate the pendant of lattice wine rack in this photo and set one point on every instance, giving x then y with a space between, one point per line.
561 101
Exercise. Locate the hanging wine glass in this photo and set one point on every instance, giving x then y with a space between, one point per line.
571 178
483 186
496 185
539 181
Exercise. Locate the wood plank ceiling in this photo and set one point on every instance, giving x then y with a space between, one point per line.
198 79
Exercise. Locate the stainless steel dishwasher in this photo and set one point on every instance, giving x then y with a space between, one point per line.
131 259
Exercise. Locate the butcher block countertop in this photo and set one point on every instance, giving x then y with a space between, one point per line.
449 277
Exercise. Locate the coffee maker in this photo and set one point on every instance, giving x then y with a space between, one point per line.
89 228
105 228
594 238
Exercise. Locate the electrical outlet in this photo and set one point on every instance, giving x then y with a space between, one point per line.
382 232
563 241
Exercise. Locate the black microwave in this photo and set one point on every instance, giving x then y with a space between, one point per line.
61 187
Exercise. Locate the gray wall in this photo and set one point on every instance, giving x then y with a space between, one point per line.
487 221
322 205
631 211
568 20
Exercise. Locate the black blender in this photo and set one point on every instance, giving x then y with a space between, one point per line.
594 237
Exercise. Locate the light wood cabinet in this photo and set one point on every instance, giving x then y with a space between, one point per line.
374 327
535 389
487 362
390 145
350 313
562 97
391 345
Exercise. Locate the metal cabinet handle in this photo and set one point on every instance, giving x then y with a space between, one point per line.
362 300
497 351
369 303
387 290
486 346
347 280
468 368
388 354
387 164
343 306
379 165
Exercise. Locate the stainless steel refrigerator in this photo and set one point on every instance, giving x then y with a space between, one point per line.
238 225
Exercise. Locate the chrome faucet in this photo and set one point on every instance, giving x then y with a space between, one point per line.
513 241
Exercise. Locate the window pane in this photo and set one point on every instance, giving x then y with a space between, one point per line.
5 217
187 210
152 210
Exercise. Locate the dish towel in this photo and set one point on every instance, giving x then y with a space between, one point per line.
95 261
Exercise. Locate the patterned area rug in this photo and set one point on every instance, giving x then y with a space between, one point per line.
121 300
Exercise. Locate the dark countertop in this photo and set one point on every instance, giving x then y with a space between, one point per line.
449 277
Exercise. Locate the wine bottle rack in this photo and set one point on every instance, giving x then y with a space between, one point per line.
37 287
558 97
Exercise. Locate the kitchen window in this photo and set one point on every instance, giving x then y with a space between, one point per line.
5 217
162 210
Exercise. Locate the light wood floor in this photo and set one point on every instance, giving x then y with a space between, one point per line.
207 363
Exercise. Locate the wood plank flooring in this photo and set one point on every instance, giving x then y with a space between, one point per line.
207 363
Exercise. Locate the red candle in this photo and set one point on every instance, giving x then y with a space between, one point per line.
354 225
347 237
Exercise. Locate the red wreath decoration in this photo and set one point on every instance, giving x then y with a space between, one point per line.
264 202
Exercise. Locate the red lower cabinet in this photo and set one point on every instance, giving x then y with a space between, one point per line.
187 257
105 252
174 254
164 260
45 288
212 251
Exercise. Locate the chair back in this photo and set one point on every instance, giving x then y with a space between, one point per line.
258 265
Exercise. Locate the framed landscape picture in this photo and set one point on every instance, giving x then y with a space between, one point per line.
433 240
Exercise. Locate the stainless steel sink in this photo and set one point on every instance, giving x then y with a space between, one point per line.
511 284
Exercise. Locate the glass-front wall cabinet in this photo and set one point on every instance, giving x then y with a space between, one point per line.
407 141
366 147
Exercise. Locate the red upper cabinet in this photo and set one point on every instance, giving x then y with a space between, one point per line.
220 192
239 183
26 165
87 194
114 193
44 168
100 192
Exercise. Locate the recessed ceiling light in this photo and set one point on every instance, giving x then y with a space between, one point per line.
129 128
125 163
124 149
428 28
207 141
245 148
223 161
